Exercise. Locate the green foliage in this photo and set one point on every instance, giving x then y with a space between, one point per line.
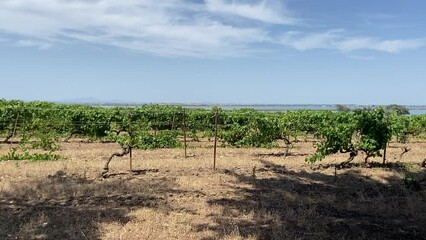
162 139
42 125
141 136
13 154
418 125
362 130
200 121
311 121
337 132
46 143
400 127
290 126
342 108
373 130
398 109
249 128
36 127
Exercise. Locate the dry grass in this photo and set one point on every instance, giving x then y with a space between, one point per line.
254 194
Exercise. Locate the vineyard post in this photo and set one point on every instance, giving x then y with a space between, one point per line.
24 128
130 142
16 123
215 140
173 122
384 153
184 131
386 143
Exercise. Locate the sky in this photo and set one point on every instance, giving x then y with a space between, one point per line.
214 51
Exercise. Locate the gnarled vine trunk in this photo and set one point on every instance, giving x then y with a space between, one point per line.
124 152
352 156
404 151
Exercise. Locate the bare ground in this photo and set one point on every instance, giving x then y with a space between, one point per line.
254 194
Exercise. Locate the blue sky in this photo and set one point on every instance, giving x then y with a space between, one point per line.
216 51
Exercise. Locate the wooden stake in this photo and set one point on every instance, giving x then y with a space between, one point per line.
387 142
384 154
173 122
215 140
130 143
16 123
184 131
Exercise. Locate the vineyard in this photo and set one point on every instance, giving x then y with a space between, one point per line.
208 150
42 125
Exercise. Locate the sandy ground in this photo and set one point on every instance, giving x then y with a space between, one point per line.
254 194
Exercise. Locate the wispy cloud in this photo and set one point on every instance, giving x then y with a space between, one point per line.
335 39
390 46
264 11
34 43
213 28
173 28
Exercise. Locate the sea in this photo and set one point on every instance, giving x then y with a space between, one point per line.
414 109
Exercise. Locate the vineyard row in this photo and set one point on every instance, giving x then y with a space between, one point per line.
41 125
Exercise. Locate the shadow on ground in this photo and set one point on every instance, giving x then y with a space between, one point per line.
284 204
64 206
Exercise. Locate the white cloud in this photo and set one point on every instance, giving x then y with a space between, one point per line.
175 27
302 42
394 46
34 43
335 39
172 28
264 11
